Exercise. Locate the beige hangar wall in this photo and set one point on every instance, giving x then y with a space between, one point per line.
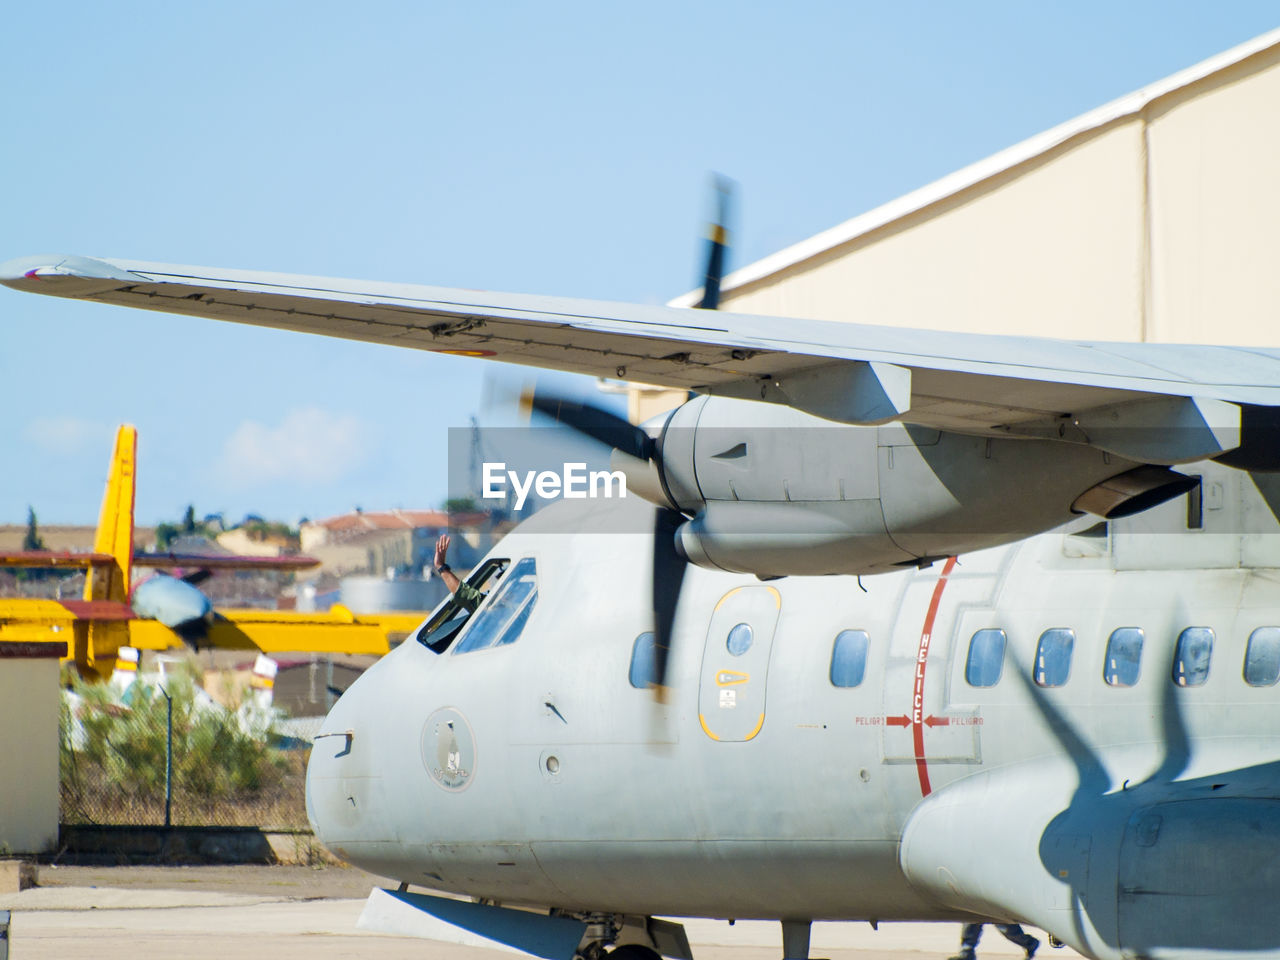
1053 244
1215 208
1154 217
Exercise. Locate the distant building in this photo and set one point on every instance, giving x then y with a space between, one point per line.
305 685
196 545
394 540
78 539
246 542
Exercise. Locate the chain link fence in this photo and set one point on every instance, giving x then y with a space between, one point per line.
165 754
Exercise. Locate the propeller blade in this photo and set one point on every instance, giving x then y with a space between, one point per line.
617 432
668 564
603 425
668 576
717 246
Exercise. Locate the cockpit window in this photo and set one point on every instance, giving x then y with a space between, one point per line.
501 620
451 616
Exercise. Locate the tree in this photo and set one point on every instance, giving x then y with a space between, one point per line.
166 532
32 539
461 505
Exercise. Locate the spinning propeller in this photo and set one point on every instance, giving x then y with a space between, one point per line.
625 437
717 245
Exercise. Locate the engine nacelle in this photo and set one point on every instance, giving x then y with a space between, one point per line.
776 492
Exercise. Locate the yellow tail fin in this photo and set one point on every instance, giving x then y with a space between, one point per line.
115 523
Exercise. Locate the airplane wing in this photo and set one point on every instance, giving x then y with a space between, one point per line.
221 561
270 631
62 559
65 559
287 631
852 373
336 631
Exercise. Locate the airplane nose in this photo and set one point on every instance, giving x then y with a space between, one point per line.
333 801
345 801
364 775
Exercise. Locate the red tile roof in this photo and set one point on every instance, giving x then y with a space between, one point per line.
384 520
352 524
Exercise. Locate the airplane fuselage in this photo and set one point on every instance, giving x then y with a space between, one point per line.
536 772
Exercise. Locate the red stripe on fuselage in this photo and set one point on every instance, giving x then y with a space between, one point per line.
922 658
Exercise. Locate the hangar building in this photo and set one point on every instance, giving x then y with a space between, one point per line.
1153 217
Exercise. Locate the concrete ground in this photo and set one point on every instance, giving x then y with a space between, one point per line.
304 913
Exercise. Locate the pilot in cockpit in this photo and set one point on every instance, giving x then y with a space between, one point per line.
467 595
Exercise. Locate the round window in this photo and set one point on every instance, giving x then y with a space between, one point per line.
740 638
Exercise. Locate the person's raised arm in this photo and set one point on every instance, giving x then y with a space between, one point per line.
442 564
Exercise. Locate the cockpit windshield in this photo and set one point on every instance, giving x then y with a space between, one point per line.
451 616
502 619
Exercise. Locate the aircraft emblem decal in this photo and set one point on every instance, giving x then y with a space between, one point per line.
727 678
448 749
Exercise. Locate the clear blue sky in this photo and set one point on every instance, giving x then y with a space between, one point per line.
543 147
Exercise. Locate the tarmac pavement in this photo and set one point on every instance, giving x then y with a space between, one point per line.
301 914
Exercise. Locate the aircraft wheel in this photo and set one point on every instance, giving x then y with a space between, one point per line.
633 951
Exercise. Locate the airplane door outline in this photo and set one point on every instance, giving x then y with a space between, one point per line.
921 727
735 663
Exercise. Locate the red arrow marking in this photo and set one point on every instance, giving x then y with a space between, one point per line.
932 721
922 658
902 721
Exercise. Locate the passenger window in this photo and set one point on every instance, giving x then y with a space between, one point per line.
1262 658
986 658
1053 657
452 615
503 618
849 658
739 639
644 662
1191 659
1124 657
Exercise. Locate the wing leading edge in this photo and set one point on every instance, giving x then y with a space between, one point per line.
966 382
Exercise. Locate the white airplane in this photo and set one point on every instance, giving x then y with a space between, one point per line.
1044 730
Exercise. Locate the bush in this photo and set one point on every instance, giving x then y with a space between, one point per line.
113 758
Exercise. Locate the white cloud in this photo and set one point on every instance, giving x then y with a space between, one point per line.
69 436
310 447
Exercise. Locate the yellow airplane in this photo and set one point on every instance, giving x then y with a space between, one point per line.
170 610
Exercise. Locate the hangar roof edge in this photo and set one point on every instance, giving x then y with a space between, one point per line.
1128 105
